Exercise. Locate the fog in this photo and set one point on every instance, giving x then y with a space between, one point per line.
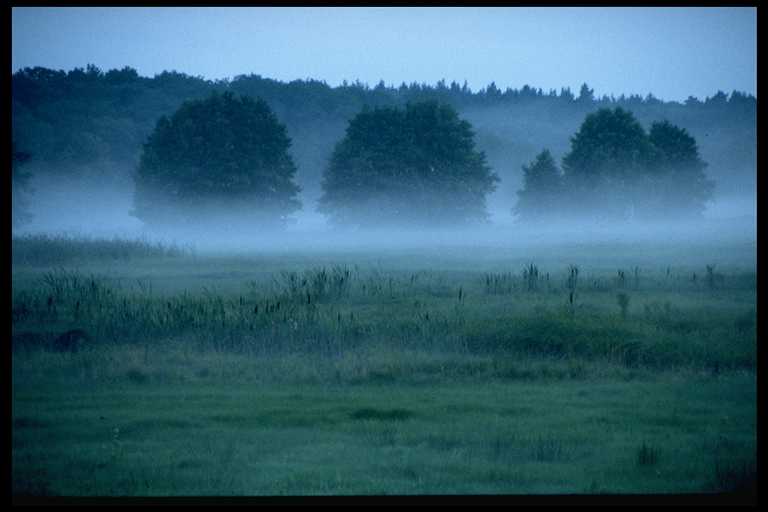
100 207
114 115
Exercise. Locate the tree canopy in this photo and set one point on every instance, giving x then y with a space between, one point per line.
222 151
401 166
93 122
615 169
542 188
610 145
680 184
609 153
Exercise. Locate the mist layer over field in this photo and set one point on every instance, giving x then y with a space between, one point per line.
94 208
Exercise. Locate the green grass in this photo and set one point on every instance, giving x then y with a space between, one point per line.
202 437
355 373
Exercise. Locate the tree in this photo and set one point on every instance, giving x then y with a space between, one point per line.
720 99
121 76
616 170
19 187
586 95
680 185
222 153
417 165
541 195
492 93
608 155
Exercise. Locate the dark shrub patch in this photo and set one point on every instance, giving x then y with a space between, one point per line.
381 415
137 376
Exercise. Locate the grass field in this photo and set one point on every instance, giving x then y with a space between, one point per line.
569 369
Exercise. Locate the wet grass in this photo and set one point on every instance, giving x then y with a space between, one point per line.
340 374
520 437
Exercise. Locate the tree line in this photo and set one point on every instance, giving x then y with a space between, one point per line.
86 119
416 165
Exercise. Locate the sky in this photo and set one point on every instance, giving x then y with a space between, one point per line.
672 53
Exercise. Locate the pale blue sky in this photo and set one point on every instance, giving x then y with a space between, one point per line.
670 52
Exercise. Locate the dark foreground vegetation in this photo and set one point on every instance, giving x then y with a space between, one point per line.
340 373
57 249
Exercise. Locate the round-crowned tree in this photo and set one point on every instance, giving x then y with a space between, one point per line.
680 186
221 155
609 157
412 166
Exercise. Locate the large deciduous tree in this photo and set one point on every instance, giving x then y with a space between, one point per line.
221 154
608 155
680 186
413 166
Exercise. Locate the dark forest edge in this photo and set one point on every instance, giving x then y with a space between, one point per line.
90 121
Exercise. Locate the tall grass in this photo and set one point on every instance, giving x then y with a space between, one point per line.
331 310
43 249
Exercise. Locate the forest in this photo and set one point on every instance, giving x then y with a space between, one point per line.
91 124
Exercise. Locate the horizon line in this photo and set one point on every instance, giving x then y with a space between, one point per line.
390 86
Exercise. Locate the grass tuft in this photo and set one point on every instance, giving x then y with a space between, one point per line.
647 455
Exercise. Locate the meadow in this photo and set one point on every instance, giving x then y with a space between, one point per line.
560 369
